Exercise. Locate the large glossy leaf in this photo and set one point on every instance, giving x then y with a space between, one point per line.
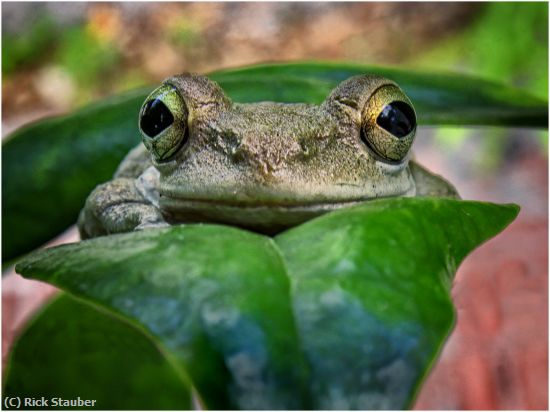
371 293
49 167
346 311
71 350
215 297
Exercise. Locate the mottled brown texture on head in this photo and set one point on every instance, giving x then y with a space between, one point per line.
199 92
265 166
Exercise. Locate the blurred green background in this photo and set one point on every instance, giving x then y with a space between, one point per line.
102 48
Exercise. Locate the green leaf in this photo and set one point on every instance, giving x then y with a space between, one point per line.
371 293
71 350
55 163
215 297
51 166
347 311
439 98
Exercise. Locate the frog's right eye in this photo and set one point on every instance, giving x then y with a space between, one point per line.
163 122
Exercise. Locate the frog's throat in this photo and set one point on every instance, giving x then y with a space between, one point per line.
264 218
268 217
147 184
174 203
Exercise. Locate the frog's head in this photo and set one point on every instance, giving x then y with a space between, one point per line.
271 165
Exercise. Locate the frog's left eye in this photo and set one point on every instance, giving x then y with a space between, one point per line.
389 124
163 122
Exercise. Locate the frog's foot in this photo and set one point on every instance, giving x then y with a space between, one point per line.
116 207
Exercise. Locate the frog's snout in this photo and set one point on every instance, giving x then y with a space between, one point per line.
265 154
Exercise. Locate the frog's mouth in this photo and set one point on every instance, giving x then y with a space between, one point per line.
269 218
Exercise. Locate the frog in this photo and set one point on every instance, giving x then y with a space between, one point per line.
265 166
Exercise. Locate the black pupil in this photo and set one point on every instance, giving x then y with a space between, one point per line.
397 118
155 118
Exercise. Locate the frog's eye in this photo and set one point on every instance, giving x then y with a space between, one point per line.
389 124
163 122
155 117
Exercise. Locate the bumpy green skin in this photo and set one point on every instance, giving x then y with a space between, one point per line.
263 166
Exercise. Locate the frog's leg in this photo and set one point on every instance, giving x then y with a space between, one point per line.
128 202
429 184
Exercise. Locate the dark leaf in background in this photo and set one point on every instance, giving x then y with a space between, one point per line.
71 350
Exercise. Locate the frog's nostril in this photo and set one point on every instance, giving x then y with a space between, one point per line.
155 117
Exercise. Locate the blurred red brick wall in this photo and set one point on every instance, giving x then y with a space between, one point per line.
497 356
